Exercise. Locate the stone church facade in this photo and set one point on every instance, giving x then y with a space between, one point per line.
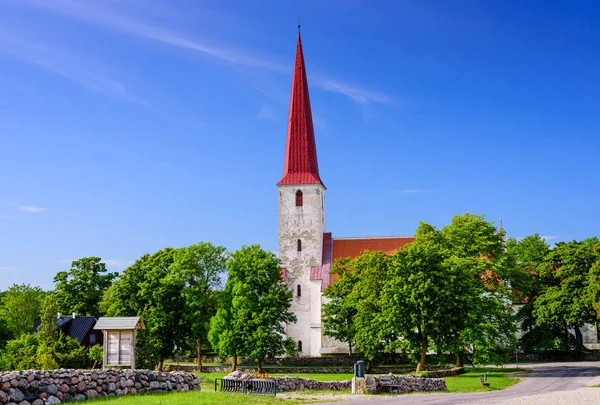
306 249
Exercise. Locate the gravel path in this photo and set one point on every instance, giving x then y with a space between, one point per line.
548 384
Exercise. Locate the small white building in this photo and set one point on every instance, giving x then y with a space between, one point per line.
119 339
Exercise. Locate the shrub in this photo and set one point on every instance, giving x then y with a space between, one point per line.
96 356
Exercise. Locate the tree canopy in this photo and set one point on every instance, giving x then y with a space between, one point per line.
81 288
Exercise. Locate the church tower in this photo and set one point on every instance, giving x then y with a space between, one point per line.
302 216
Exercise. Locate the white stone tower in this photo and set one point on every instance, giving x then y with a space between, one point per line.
302 216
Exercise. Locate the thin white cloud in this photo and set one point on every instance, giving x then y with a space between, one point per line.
111 19
6 217
355 93
67 65
267 113
7 268
102 16
32 209
411 191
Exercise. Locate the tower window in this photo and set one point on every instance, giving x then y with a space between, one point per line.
298 198
299 245
300 346
299 291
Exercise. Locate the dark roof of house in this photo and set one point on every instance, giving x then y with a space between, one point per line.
77 327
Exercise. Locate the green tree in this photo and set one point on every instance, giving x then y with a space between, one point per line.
488 326
567 270
5 333
260 302
223 336
20 307
370 271
48 330
425 295
522 261
340 309
81 288
199 268
146 289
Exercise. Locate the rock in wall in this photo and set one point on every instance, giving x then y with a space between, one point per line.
34 387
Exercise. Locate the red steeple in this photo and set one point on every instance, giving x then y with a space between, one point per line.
301 165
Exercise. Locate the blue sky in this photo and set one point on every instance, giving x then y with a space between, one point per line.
129 126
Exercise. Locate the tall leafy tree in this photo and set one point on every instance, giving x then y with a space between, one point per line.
426 296
340 309
522 261
370 271
199 269
20 307
260 302
476 246
567 270
145 289
224 338
81 288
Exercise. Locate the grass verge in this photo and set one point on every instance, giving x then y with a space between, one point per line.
207 397
469 381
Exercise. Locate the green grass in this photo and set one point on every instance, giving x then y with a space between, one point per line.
200 397
469 382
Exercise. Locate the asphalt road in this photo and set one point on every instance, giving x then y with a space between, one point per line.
547 384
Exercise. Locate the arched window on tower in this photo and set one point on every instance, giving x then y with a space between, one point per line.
299 243
298 198
299 346
299 291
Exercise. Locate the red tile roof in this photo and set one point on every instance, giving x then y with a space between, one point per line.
301 166
352 247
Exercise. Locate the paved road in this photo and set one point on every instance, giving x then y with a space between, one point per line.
548 384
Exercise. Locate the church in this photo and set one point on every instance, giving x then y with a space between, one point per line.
306 249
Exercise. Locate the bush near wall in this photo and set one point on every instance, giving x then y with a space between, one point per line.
56 386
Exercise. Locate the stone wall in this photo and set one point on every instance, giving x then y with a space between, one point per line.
297 383
376 384
32 387
444 373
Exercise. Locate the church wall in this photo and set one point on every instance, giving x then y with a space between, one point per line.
307 224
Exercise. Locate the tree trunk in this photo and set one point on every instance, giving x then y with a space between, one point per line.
160 365
234 363
368 366
578 338
423 354
199 353
259 365
460 358
350 348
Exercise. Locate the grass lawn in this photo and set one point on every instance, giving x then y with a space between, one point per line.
205 397
469 382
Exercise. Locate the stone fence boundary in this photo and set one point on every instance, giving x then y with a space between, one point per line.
376 384
34 387
444 373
